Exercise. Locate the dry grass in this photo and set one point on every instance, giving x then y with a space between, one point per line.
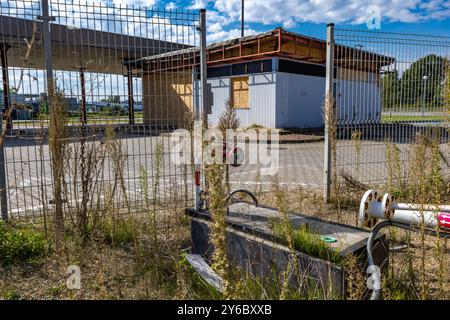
122 263
117 262
137 253
407 280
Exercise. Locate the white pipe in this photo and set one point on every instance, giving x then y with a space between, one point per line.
416 218
425 207
374 206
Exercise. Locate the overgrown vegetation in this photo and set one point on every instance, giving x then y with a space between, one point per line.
20 245
137 250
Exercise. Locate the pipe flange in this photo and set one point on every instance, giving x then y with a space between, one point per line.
364 216
387 206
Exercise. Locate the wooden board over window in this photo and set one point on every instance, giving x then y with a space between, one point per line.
239 93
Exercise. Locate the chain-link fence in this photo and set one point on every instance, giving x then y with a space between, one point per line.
388 89
118 104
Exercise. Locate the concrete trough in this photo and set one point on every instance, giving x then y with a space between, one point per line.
253 247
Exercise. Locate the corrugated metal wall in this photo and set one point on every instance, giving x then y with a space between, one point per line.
299 101
262 100
357 101
285 100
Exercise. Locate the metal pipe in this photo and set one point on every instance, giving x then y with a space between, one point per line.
373 206
429 218
201 116
418 207
373 234
230 196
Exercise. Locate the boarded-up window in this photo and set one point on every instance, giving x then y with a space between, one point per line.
239 93
184 91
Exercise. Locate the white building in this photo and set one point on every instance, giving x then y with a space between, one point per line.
275 79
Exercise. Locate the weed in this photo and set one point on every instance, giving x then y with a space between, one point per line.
228 121
118 231
20 245
356 138
288 233
11 294
57 147
216 200
354 277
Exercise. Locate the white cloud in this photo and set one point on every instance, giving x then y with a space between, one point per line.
228 34
223 15
199 4
143 3
290 12
171 6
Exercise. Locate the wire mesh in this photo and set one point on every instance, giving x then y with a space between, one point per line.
118 110
388 89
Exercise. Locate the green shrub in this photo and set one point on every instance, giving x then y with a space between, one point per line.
20 245
11 295
118 232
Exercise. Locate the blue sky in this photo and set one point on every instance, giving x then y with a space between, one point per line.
311 16
308 17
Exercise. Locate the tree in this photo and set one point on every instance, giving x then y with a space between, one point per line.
422 82
390 85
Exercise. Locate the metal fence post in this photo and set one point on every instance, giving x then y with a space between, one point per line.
330 96
201 114
203 68
3 195
130 94
47 46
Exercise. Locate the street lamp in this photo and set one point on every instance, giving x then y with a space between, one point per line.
425 78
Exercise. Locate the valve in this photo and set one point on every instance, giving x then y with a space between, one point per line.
373 206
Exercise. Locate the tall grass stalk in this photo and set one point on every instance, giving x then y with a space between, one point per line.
216 200
293 267
57 147
356 138
331 123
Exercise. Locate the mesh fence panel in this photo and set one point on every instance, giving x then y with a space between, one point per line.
120 100
388 89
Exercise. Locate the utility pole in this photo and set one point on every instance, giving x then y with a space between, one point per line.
242 18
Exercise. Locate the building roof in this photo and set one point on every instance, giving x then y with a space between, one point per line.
76 48
275 43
